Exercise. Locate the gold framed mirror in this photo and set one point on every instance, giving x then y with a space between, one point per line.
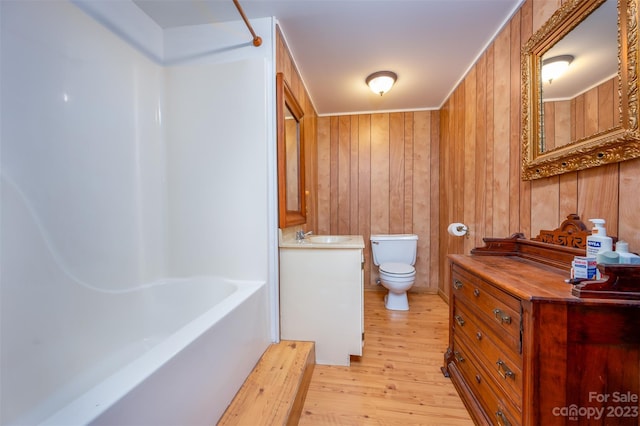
290 141
589 119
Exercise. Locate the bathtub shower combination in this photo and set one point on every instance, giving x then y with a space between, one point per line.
129 293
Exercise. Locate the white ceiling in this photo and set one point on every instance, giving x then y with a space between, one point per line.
430 44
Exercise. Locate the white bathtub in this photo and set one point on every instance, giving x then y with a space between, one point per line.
173 353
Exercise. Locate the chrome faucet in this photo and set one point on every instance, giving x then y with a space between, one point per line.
301 235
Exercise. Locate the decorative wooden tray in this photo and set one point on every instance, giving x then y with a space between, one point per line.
617 282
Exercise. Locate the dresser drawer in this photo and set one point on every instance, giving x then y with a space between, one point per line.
466 320
498 309
500 361
494 402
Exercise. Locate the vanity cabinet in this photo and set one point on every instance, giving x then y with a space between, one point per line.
321 297
524 350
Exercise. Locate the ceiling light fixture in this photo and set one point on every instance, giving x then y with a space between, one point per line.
553 67
381 82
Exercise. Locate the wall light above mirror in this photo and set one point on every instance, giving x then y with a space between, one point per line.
589 116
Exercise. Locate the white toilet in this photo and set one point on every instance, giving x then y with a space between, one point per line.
395 255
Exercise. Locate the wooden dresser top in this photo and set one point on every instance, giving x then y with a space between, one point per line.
526 279
520 277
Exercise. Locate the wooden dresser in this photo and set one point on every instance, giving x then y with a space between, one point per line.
524 349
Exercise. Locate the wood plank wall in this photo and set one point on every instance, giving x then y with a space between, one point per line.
371 173
378 174
286 65
480 157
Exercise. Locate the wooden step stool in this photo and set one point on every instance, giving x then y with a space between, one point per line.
275 391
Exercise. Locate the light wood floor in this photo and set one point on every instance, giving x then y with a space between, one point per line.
397 381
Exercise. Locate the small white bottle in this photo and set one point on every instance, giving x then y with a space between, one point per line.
598 240
622 248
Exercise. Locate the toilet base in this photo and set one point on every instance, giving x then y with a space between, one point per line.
396 301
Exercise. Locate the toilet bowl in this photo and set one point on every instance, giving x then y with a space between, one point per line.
395 256
397 278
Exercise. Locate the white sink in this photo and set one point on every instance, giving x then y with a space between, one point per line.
327 239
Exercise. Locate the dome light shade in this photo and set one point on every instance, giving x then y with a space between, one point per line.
553 68
381 82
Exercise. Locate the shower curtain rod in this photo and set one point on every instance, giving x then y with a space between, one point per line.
257 41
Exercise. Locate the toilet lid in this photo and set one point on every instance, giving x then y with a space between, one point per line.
397 268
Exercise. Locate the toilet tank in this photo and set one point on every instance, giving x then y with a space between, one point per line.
399 248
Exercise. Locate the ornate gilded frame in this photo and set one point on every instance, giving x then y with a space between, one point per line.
619 143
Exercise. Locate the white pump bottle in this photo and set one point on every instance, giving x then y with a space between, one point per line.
598 241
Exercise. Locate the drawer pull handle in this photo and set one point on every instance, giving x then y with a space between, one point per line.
502 419
459 320
458 357
476 292
505 371
457 284
479 335
478 378
501 316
